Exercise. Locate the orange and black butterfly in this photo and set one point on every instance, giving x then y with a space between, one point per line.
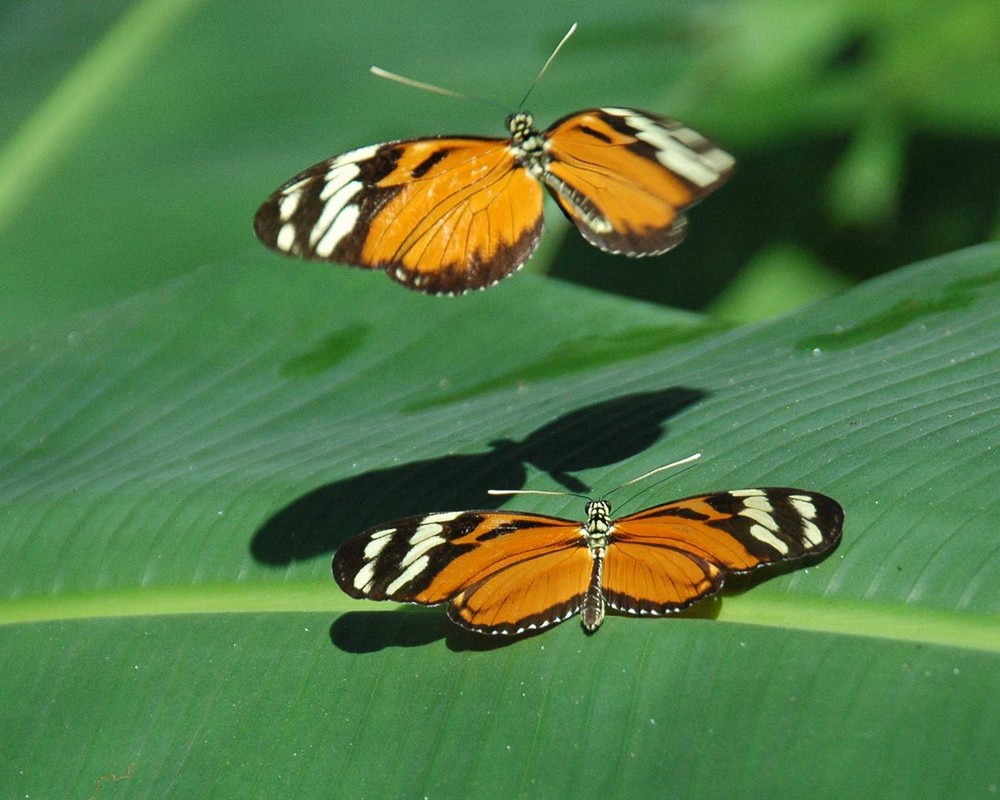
510 572
446 214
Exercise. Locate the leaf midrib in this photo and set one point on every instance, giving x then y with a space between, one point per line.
890 622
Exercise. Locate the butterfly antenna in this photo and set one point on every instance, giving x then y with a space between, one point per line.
536 491
430 87
652 472
534 83
642 477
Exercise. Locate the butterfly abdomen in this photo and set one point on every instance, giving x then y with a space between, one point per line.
592 611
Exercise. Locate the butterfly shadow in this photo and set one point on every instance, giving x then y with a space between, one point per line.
361 632
598 435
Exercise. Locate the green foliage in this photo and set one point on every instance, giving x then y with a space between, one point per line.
177 470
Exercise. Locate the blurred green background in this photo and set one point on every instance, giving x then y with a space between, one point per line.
139 138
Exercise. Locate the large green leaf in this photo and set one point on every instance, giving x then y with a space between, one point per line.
175 471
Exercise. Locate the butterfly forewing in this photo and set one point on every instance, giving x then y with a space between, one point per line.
624 177
733 532
741 529
501 572
441 214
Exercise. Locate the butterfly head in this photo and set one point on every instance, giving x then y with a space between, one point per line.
521 126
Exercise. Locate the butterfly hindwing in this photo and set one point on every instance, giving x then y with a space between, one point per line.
442 214
717 534
500 572
624 176
653 580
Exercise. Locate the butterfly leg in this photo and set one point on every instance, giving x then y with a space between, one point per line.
592 613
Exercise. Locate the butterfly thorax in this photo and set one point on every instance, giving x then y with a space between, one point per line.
527 143
598 526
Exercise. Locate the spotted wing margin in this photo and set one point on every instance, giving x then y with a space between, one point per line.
500 572
624 177
442 215
664 558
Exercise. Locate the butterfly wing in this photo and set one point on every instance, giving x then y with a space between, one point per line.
500 572
442 215
624 176
664 558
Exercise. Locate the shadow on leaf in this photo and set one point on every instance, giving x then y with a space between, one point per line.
362 632
594 436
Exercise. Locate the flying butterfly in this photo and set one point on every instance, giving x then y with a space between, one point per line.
512 572
447 214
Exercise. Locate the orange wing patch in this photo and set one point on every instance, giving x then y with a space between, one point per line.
527 594
462 214
643 579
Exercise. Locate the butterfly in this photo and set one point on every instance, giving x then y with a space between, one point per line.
447 214
511 572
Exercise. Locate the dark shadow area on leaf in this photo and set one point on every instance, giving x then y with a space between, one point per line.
598 435
373 631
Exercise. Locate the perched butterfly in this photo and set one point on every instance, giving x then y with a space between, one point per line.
446 214
509 572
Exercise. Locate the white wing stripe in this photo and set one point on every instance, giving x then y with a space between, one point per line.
377 543
337 178
418 550
342 225
803 505
286 237
757 515
408 575
331 212
762 534
812 533
758 501
674 148
363 580
288 204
